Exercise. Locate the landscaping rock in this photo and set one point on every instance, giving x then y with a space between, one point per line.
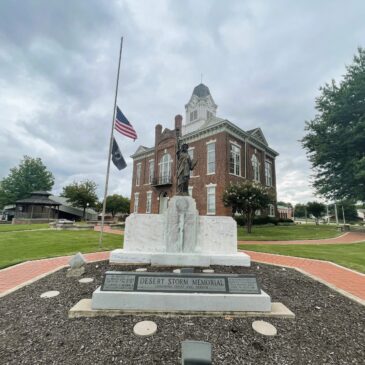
77 261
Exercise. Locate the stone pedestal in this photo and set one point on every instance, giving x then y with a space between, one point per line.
181 302
180 237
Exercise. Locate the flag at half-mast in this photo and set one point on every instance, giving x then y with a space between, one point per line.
123 126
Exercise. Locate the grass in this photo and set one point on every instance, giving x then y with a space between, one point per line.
21 227
16 247
348 255
288 233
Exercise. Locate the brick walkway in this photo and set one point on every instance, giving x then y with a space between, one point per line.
344 280
26 272
349 237
335 276
107 229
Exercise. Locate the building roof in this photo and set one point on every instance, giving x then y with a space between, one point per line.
218 124
38 198
201 91
41 192
66 207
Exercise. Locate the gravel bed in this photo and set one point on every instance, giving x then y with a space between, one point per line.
328 328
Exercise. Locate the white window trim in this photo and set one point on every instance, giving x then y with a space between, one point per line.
215 158
235 143
169 165
149 194
239 164
271 206
211 141
258 168
136 199
150 178
138 173
209 186
266 176
190 189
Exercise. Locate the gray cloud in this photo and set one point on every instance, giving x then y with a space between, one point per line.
263 61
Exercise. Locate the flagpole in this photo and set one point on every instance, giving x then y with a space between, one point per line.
110 150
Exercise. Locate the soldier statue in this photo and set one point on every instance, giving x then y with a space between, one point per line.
184 165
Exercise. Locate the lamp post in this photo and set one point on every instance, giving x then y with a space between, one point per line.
87 206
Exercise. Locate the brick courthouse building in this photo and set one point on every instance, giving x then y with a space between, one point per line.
225 153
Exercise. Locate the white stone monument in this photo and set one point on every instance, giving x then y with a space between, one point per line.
180 237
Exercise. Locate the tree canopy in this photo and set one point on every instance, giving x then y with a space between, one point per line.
247 197
300 210
316 209
335 139
30 175
82 194
117 204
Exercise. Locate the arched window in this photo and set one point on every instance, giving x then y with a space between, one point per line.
256 168
165 168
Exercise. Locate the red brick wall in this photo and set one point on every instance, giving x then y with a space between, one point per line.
166 143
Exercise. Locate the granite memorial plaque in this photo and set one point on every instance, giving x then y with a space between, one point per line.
182 283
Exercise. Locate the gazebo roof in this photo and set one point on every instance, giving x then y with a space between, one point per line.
38 198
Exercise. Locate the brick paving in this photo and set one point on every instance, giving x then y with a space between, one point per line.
340 277
107 229
20 274
332 274
349 237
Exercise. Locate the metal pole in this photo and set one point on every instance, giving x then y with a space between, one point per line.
328 216
343 216
336 214
110 150
305 209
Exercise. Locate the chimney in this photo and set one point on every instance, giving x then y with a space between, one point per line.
158 131
178 122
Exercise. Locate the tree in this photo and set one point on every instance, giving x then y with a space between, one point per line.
81 194
316 209
117 204
349 209
247 197
335 141
30 175
299 210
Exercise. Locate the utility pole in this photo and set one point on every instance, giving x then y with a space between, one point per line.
343 216
305 209
336 214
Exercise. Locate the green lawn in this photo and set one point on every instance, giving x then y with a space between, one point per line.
16 247
348 255
21 227
288 233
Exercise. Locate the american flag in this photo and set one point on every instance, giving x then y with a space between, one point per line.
123 126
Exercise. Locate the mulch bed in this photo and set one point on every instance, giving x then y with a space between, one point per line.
328 328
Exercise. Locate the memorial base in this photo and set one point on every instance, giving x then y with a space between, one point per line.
120 256
185 302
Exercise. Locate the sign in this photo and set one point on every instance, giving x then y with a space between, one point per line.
180 283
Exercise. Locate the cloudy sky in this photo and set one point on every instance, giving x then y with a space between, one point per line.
263 61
